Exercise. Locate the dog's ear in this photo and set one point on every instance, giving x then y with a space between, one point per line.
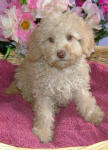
88 43
34 52
86 40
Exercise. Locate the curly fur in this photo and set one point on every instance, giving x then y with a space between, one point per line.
48 81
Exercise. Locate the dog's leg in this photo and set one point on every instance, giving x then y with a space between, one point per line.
87 107
44 118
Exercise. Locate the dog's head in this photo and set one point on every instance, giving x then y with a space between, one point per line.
61 39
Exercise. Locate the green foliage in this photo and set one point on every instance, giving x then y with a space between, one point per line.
5 48
23 1
103 32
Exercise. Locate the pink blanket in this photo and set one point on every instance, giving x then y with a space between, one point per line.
70 129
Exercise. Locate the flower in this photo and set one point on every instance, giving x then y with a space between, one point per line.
104 7
3 6
78 11
74 3
107 16
25 26
17 25
94 14
76 7
9 23
32 3
49 5
15 3
71 3
79 2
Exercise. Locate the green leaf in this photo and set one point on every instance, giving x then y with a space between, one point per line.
23 1
7 53
4 46
101 35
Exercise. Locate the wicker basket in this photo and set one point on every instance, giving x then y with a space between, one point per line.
100 55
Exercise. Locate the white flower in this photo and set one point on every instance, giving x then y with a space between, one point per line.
94 14
9 23
49 5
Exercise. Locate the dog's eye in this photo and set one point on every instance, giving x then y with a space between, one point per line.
51 39
69 37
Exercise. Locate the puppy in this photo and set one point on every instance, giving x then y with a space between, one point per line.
55 71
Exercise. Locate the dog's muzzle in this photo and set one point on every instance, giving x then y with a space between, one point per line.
61 54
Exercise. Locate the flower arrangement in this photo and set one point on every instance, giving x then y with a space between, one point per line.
19 18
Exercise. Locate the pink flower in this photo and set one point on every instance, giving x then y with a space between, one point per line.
107 16
78 11
25 25
3 6
104 6
74 3
94 14
102 2
15 3
79 2
76 6
17 25
32 3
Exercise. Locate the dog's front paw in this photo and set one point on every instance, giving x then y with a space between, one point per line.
44 134
94 115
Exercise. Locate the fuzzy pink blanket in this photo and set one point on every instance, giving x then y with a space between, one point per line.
70 129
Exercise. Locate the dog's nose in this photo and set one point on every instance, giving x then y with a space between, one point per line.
61 54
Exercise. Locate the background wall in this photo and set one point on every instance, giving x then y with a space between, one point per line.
104 41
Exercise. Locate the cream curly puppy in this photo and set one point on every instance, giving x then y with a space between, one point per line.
55 71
